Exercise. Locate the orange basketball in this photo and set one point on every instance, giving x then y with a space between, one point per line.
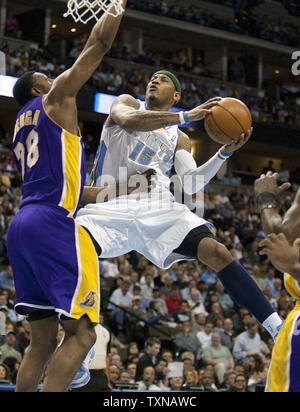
228 121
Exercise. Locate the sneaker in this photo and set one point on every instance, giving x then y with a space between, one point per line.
83 376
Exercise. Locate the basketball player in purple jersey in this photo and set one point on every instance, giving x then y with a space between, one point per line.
53 258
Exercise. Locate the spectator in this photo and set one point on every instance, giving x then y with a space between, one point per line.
209 277
204 336
149 358
247 343
148 378
5 375
173 301
176 383
219 356
188 341
123 299
8 349
199 323
240 383
184 313
256 375
227 334
7 279
114 374
229 381
207 382
11 26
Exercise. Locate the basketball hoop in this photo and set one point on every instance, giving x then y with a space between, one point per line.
85 10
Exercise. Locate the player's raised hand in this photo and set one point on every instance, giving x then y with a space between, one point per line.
237 144
269 183
281 253
200 112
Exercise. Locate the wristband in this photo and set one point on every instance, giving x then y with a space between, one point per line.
181 117
186 118
267 198
224 156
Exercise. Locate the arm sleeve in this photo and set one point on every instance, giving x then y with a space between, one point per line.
193 178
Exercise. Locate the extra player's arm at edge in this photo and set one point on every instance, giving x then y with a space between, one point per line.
99 43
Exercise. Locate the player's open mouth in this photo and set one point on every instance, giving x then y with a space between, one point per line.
152 88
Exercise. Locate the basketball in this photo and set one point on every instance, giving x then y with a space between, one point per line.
228 121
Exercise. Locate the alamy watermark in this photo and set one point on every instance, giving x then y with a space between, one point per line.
152 192
296 65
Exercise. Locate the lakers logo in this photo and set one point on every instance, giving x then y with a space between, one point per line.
89 300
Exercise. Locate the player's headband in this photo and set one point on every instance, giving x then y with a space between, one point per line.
172 76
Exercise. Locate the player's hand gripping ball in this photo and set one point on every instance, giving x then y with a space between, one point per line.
228 120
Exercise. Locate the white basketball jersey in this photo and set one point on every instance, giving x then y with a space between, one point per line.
135 153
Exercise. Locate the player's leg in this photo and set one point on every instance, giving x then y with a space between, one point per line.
200 244
42 345
80 336
238 283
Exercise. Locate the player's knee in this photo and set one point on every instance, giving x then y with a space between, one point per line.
213 253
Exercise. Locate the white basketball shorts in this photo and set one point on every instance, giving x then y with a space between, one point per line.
153 228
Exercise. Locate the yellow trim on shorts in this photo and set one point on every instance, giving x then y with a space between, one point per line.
86 298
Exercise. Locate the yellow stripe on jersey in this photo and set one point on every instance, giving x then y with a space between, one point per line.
87 294
292 286
71 161
279 371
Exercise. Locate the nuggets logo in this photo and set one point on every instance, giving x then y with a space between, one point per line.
89 300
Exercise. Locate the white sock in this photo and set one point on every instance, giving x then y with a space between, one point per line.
272 324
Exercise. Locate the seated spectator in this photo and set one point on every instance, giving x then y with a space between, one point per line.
148 378
204 336
209 277
173 301
247 343
123 299
188 341
198 324
176 383
7 279
5 375
240 383
156 297
225 300
227 334
256 375
114 374
135 321
131 367
8 350
196 303
207 382
184 313
219 356
11 25
229 381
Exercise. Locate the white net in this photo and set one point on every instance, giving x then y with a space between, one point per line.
86 10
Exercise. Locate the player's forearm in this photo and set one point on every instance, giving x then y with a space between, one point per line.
271 221
106 29
137 120
195 178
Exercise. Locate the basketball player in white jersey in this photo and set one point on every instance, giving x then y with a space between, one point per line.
138 136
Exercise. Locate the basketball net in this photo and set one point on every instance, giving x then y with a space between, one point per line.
85 10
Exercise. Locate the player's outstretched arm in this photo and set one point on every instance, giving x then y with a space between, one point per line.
125 112
98 44
267 193
195 178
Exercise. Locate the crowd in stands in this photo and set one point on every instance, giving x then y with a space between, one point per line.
246 20
181 314
220 345
115 79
